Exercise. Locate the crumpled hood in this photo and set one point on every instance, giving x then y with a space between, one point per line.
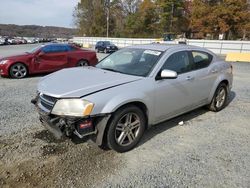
81 81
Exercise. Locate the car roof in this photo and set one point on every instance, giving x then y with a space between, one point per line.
56 44
165 47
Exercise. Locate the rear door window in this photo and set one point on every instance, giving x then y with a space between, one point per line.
201 59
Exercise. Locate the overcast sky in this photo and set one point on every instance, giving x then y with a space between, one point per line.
37 12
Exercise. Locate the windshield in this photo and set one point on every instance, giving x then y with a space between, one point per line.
34 49
138 62
107 43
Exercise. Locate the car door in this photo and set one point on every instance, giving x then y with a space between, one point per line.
51 58
173 96
205 76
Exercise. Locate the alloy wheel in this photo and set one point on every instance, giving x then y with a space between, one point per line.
82 63
127 129
18 71
220 97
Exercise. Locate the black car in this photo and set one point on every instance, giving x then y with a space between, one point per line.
105 46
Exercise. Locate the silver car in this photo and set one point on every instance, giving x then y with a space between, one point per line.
131 90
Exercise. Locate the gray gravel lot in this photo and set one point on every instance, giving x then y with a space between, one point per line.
209 150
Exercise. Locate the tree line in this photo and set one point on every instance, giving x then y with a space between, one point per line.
229 19
12 30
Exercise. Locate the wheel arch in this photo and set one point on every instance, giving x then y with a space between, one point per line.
102 138
217 83
142 106
225 82
83 59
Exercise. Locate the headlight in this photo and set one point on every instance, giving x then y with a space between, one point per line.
3 62
72 107
108 46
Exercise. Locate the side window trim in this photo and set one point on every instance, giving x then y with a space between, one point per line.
47 51
189 58
210 58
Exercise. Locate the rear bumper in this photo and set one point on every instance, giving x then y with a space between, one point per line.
111 50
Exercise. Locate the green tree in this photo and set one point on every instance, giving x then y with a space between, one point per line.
144 22
172 17
90 17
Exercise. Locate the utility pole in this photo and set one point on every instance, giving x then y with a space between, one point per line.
108 11
172 17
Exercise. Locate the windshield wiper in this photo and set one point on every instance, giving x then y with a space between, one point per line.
113 70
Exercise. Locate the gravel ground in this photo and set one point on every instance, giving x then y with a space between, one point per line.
209 150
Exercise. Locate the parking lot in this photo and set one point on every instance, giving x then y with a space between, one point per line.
209 149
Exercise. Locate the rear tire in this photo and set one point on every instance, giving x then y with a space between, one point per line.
82 63
18 71
220 98
126 128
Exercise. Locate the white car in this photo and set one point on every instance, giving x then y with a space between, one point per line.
131 90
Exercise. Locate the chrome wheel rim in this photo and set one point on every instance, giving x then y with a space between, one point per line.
220 98
19 71
82 63
127 129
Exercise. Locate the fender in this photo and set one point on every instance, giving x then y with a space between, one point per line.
219 79
125 98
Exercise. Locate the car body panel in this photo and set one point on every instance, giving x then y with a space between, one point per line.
163 98
142 92
78 82
50 62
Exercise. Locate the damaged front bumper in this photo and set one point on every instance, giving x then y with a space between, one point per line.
62 126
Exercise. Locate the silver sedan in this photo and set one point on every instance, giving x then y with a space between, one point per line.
131 90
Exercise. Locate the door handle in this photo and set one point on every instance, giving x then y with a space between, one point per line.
189 78
36 59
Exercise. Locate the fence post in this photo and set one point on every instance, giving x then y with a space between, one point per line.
241 47
221 46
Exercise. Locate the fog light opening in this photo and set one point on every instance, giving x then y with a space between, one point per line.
85 124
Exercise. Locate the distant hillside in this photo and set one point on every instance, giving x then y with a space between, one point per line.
36 31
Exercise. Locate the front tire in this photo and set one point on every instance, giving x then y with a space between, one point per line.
126 128
220 98
18 71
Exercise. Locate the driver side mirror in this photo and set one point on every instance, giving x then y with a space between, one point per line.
167 74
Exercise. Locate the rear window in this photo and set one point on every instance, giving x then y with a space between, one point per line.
71 48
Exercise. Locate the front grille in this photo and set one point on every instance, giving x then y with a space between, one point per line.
47 102
48 98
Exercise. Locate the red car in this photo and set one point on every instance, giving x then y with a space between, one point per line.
46 58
